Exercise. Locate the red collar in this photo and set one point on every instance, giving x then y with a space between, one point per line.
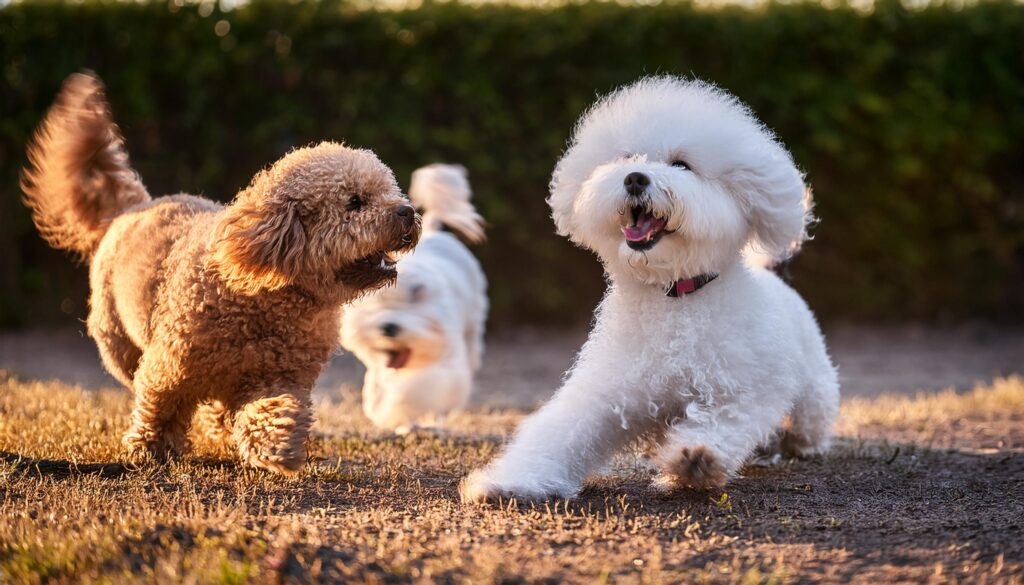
689 285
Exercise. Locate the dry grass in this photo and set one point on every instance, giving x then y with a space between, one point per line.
974 421
1003 396
891 503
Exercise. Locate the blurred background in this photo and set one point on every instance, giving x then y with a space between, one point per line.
908 120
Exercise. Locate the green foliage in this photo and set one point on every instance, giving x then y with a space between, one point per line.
909 124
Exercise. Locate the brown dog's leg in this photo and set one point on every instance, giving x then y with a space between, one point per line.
214 421
118 353
159 426
271 429
161 415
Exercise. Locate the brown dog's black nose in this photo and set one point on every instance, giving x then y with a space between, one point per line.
636 183
407 214
389 329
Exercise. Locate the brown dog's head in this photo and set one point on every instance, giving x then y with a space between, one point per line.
324 218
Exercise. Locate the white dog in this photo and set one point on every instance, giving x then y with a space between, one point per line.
693 349
422 340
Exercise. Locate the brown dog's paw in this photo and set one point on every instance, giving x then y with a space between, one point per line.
695 467
145 447
285 462
271 433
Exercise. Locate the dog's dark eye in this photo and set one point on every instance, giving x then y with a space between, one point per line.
681 164
355 203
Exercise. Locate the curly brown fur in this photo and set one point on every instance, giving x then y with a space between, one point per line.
195 302
271 432
78 177
213 421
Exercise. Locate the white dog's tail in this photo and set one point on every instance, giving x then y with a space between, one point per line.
442 192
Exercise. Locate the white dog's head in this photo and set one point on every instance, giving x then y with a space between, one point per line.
667 179
401 327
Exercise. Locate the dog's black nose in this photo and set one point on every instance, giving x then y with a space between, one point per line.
389 329
636 183
406 211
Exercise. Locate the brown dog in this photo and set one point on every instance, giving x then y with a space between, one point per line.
195 302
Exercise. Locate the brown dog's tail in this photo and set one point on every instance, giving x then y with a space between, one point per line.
78 177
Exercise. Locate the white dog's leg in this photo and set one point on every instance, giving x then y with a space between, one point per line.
474 335
373 397
810 423
708 448
555 448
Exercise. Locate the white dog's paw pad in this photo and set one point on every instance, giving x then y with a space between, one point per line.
473 490
695 467
478 489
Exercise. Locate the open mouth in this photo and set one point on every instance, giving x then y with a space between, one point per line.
398 358
383 262
369 270
643 228
378 268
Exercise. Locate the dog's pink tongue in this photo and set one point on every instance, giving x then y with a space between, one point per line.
397 359
646 225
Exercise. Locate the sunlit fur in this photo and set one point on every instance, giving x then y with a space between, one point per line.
442 192
78 153
195 302
437 311
704 378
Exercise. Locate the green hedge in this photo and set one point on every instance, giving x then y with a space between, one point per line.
909 124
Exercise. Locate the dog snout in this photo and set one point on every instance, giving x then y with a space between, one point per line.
390 329
636 183
409 225
407 213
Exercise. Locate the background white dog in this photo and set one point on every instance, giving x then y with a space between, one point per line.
422 339
694 349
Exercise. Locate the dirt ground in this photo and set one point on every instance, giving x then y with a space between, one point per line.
923 489
522 368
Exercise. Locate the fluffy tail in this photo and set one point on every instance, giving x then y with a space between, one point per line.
442 192
78 178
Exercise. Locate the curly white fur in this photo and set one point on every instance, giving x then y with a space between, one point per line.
708 376
422 340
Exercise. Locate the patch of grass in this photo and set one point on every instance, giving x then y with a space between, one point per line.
1002 396
372 507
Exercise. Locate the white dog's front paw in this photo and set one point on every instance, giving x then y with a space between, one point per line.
694 467
479 488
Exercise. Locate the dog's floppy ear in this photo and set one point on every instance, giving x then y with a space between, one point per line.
561 199
259 245
778 204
